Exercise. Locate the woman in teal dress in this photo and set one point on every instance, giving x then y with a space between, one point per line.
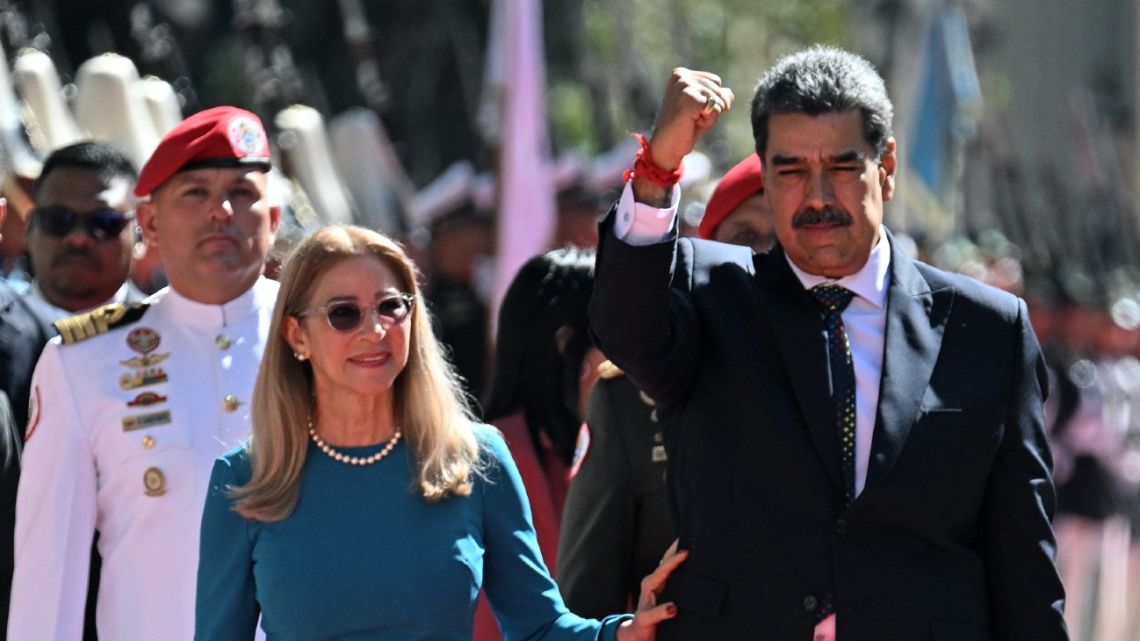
368 504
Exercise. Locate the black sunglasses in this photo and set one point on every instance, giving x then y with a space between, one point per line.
346 316
102 223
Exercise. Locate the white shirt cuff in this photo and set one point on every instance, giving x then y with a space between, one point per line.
640 224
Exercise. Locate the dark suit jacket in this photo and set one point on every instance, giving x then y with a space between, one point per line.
25 327
615 524
24 330
951 537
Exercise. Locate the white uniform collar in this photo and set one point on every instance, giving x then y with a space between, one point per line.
869 283
263 294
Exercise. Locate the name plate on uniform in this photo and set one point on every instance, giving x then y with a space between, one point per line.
143 421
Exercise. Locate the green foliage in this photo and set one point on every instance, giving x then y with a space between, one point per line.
568 107
632 45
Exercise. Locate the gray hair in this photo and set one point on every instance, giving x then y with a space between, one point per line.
822 80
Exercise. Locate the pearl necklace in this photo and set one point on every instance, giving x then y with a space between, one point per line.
353 460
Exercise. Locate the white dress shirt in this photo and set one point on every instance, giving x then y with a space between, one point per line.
865 319
126 294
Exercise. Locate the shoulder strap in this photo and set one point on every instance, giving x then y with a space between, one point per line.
98 321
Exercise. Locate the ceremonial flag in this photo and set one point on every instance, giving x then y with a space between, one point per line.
947 109
515 110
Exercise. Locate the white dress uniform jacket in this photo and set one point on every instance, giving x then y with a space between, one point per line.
122 436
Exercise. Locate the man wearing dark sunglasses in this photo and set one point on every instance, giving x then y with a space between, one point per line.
134 404
82 234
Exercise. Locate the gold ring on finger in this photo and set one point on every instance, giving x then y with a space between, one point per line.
710 104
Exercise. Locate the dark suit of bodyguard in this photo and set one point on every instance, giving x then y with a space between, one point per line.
947 534
615 524
24 330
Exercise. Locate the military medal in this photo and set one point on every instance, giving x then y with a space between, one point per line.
143 340
142 378
143 421
146 398
146 360
154 482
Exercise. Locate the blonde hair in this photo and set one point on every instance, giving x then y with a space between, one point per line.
429 404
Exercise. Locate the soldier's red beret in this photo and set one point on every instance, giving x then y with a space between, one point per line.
741 182
218 137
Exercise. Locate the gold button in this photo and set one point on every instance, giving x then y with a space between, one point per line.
222 342
230 403
148 441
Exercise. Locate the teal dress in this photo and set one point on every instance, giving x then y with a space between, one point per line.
364 556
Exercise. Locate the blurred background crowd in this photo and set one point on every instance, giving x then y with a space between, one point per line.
484 132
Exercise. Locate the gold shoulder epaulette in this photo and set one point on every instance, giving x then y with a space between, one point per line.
98 321
608 371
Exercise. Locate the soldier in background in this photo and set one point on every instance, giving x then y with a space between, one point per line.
737 212
579 208
1088 493
131 405
459 240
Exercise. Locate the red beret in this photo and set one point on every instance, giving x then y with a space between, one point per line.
741 182
218 137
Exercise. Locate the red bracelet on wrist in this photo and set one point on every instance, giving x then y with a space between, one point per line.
644 167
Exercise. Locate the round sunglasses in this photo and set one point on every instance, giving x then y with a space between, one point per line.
346 316
101 223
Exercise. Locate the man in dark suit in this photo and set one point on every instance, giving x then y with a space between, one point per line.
24 330
615 524
855 438
25 327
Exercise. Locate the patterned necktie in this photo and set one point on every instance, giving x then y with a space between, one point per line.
832 300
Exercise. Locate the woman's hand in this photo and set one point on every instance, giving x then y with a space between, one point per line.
643 625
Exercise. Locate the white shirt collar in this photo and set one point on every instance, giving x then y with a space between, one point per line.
869 283
121 295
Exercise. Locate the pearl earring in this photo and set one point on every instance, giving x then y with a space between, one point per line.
299 356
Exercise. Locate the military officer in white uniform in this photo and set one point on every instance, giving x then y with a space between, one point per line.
131 405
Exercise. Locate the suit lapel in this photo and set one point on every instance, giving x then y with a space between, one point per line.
916 318
801 339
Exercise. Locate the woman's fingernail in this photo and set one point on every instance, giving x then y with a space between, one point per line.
671 609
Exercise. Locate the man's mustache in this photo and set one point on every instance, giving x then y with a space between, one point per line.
825 216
